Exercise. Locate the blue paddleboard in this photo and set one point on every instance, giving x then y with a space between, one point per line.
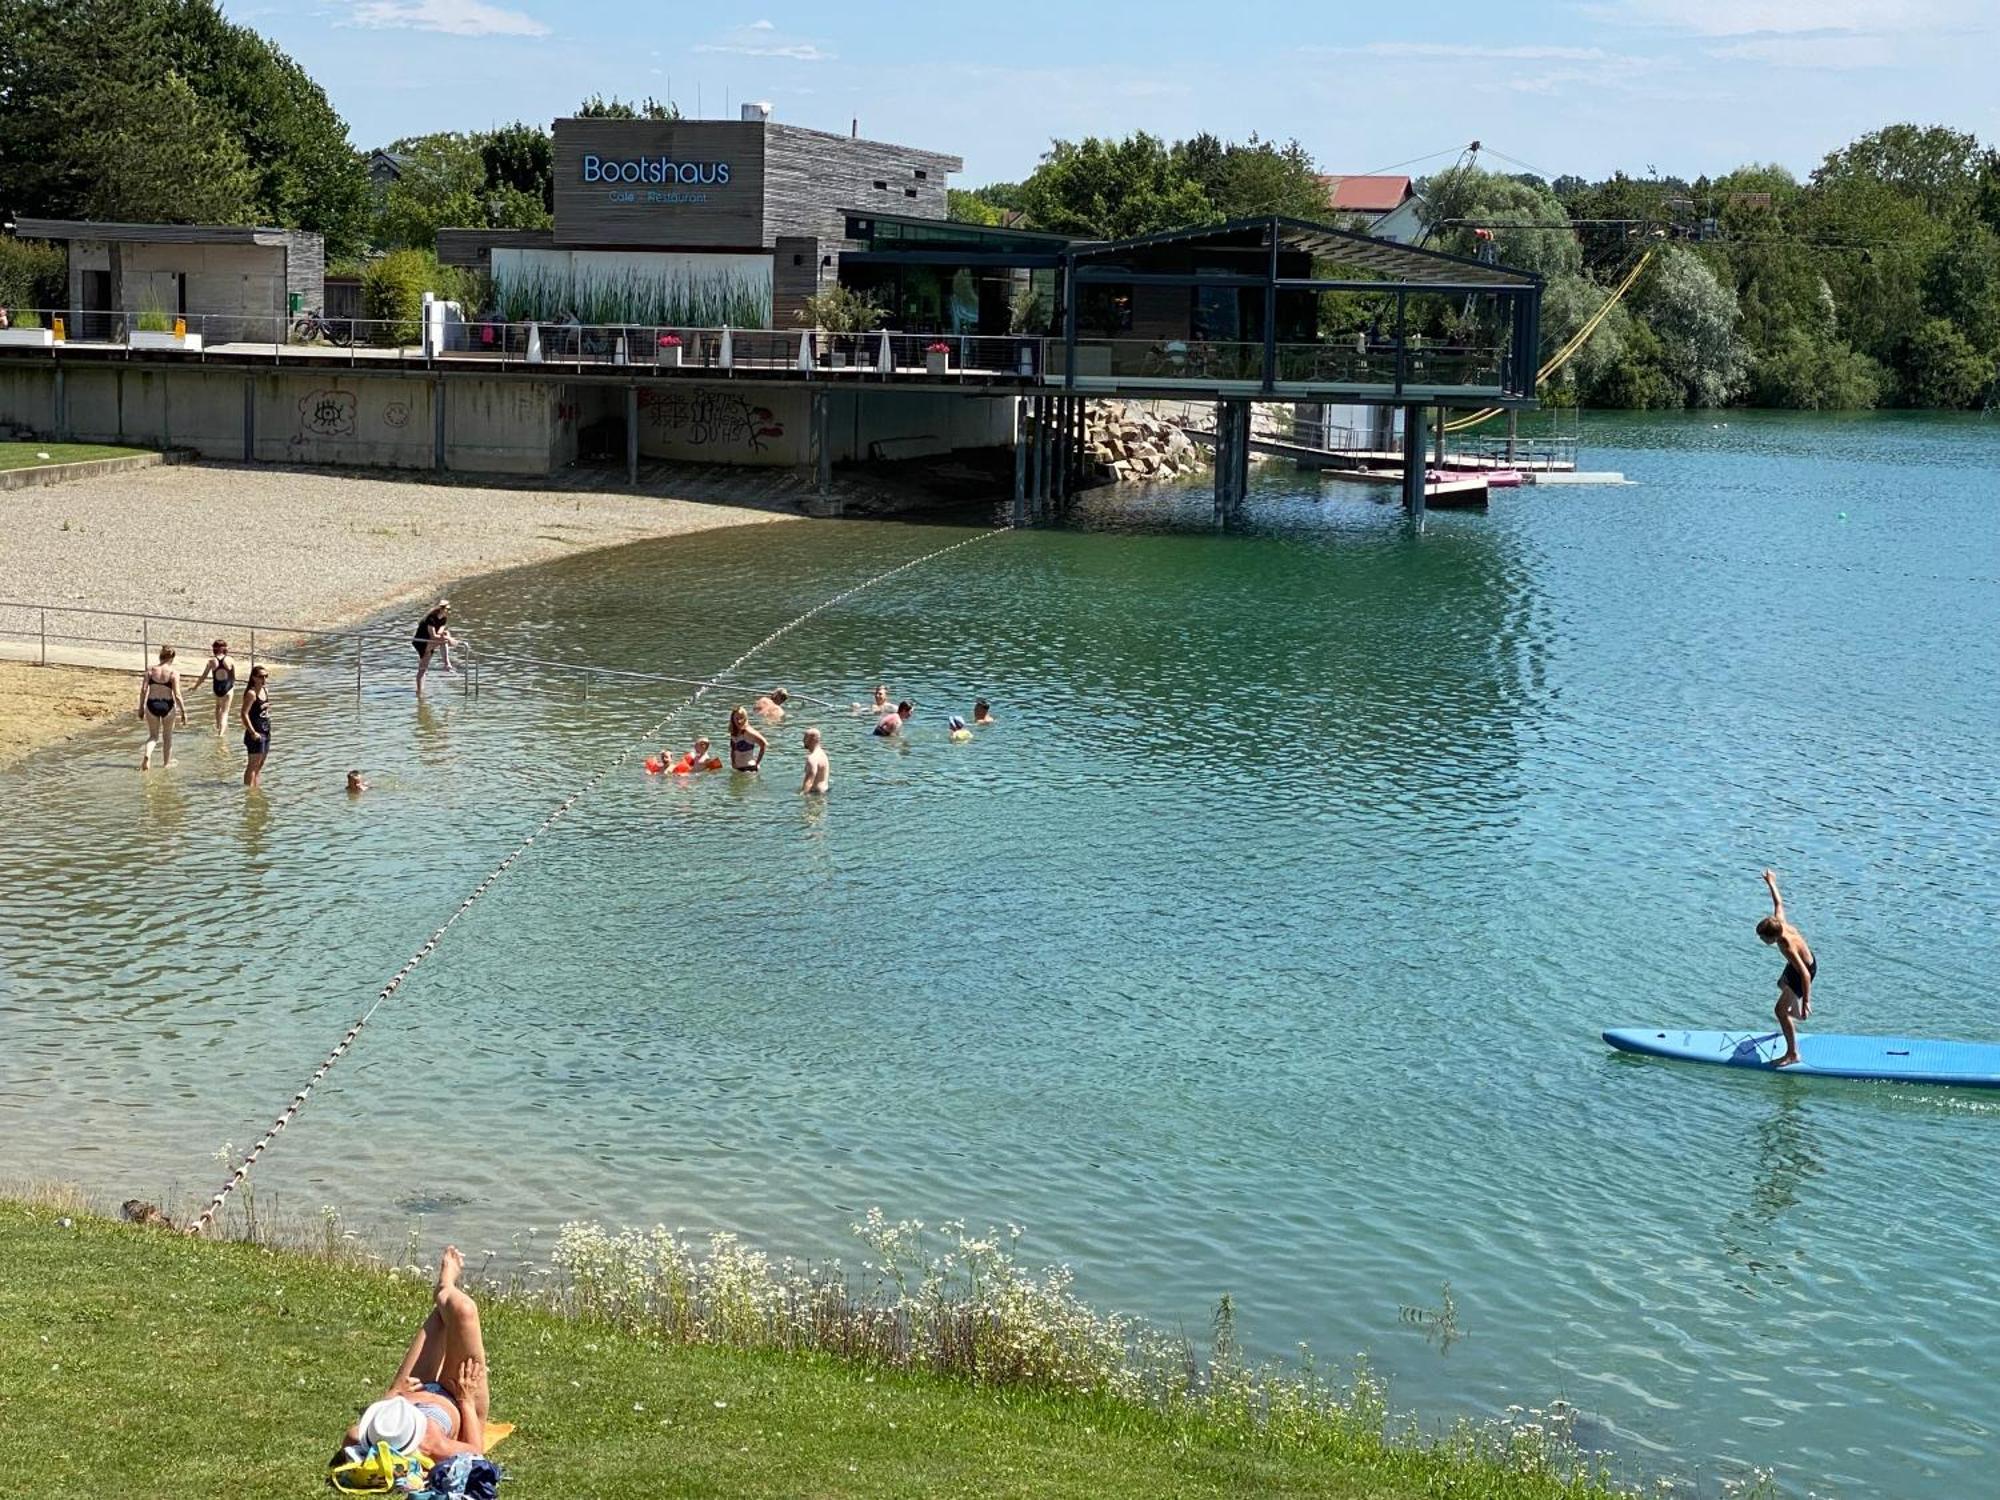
1892 1059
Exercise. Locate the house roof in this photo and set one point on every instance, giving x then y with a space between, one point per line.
1365 194
1396 263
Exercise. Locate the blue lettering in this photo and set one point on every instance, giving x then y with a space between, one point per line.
593 169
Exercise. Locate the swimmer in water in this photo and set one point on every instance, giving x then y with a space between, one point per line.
221 671
880 704
959 733
819 771
1801 969
355 785
159 702
771 707
256 719
982 714
746 745
894 720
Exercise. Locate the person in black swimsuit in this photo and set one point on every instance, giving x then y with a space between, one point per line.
159 703
746 745
256 727
222 672
1795 985
432 636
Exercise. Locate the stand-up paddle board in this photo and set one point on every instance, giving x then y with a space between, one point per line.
1892 1059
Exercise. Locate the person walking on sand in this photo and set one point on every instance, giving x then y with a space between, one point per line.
221 671
159 704
438 1403
819 771
432 636
1795 985
256 717
771 707
746 745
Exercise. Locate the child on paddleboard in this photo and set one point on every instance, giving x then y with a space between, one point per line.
1801 969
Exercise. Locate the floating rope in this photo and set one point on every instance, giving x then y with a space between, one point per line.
298 1102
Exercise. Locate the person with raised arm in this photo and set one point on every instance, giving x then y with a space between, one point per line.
1795 984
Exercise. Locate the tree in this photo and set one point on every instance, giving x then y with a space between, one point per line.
1962 284
1535 232
1936 167
160 154
969 208
1253 178
1103 189
597 107
520 157
1943 370
1694 317
451 180
1808 371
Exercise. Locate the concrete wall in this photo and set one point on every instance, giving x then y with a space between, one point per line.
748 425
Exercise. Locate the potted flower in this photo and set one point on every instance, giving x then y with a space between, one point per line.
154 330
937 358
670 350
25 328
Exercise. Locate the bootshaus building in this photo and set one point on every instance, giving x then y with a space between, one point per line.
697 223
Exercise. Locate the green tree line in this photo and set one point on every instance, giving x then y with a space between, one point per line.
1875 281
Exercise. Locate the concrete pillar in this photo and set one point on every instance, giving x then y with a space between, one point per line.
437 422
1413 461
632 435
1020 461
1232 460
62 404
1040 493
249 419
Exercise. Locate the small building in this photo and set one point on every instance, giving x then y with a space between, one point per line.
386 167
697 223
228 281
1366 197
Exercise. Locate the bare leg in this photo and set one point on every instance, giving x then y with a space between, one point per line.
423 666
1783 1011
464 1349
221 712
166 743
156 727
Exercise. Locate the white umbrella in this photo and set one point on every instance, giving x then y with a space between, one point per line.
534 343
885 357
805 351
726 356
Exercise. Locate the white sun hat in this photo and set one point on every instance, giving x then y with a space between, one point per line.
395 1421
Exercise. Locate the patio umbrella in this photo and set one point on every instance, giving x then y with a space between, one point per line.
726 357
805 351
885 357
534 343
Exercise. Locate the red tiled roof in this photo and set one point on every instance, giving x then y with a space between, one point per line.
1365 195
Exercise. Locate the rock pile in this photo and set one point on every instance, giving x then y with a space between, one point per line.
1128 442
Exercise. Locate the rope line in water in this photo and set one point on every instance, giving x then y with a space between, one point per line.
429 946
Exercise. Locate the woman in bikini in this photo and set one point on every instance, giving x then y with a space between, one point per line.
746 745
159 704
438 1401
221 671
1795 985
256 727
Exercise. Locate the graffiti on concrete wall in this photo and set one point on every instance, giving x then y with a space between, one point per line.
711 419
396 414
327 414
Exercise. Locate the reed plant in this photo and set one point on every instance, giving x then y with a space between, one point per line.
672 296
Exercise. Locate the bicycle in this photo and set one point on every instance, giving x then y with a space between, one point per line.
314 326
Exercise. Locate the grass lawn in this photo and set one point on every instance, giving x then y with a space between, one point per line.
29 455
135 1361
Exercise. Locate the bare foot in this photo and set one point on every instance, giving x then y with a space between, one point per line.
451 1265
1786 1061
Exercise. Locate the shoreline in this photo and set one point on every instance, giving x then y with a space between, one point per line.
322 550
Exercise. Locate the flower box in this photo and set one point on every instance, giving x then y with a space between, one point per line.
670 355
140 338
28 338
937 359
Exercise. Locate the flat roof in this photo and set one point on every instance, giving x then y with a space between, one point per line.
1404 263
163 234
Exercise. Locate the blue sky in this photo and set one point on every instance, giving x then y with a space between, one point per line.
1565 85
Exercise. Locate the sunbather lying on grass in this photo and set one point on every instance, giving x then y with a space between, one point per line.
436 1405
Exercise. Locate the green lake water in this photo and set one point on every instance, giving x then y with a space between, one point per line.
1262 949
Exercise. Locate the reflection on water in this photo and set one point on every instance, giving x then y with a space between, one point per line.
1262 947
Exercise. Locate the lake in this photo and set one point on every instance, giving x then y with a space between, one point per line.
1262 948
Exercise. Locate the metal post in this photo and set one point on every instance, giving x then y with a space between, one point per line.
1440 437
1271 315
146 642
357 667
632 435
1020 461
249 417
437 421
253 648
1413 461
1513 431
822 436
45 638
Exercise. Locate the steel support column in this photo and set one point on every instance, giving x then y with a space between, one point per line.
1440 436
822 446
249 417
1020 460
632 435
437 422
1232 460
1513 431
1413 461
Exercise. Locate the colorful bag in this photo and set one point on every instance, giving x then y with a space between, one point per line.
382 1472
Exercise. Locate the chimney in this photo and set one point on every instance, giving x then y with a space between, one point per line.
758 113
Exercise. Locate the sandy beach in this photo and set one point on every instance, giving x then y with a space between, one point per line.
283 547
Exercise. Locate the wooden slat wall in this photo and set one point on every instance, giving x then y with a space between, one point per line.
812 180
732 218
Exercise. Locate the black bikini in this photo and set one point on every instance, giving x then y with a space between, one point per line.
743 747
159 708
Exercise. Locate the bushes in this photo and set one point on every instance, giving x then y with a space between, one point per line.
33 273
392 294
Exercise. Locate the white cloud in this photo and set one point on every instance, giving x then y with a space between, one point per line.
762 39
1832 52
1721 18
453 17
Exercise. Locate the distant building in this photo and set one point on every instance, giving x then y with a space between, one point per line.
1366 198
1749 200
385 167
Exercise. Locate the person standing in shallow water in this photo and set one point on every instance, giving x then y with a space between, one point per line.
256 716
221 671
746 745
819 771
159 703
432 636
1795 985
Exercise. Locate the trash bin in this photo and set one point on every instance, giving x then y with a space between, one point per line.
296 302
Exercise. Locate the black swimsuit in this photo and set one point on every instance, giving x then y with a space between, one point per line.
428 629
257 738
159 708
1792 980
225 679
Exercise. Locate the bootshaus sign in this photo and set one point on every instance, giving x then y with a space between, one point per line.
654 179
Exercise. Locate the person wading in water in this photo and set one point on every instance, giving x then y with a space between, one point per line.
159 702
1795 985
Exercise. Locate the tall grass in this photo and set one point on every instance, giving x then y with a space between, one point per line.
669 297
